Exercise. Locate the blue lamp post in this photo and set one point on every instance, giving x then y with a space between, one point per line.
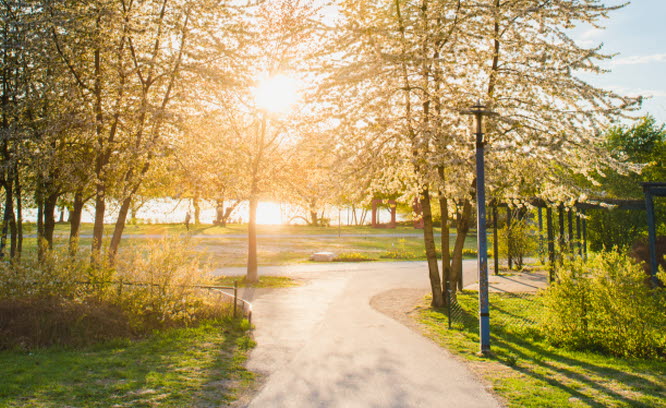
479 111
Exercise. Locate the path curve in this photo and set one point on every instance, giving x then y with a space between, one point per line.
323 345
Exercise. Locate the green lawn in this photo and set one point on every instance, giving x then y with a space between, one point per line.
201 366
236 229
281 244
264 282
528 372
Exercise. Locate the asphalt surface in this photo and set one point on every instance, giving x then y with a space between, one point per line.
322 344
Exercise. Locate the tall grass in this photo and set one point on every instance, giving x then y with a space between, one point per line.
67 300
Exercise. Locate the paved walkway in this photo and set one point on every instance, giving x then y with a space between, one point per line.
322 344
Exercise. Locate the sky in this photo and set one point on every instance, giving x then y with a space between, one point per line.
637 33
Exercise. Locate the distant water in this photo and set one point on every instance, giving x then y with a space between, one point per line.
170 210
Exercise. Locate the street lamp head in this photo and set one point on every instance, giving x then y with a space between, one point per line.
479 111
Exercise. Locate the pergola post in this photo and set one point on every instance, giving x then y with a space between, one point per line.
650 190
495 242
551 244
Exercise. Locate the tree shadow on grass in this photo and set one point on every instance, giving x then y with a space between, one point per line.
542 368
170 368
515 343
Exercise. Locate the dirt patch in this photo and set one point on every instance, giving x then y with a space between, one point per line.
400 305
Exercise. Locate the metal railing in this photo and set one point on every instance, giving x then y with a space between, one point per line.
245 306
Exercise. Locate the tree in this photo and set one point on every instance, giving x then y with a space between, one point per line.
132 81
643 147
412 67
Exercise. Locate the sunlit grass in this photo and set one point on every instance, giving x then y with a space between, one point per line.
201 366
237 229
264 282
277 245
529 372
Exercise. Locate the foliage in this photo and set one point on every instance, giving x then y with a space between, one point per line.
525 370
517 241
164 275
399 254
353 257
615 228
605 304
643 147
202 366
65 300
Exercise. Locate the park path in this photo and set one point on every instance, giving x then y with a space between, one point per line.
322 344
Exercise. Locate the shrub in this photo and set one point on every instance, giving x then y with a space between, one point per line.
352 257
608 228
65 300
517 241
163 275
398 254
604 304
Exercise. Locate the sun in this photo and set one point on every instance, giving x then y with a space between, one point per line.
276 94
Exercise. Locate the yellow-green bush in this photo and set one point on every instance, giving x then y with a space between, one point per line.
163 276
67 300
605 304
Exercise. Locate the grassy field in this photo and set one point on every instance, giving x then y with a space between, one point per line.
277 245
526 371
201 366
236 229
264 282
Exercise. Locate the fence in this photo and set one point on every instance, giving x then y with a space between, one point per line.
245 306
509 311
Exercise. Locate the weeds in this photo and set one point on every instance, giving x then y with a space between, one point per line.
66 300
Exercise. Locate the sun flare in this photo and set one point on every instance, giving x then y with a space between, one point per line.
276 94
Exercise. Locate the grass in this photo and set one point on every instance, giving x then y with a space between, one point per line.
526 371
264 282
236 229
279 245
202 366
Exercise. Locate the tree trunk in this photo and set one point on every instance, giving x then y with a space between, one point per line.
8 223
39 198
227 213
456 262
445 237
118 229
252 275
445 241
219 213
75 222
50 205
19 215
197 209
98 228
431 250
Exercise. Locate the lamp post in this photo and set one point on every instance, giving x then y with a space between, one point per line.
479 111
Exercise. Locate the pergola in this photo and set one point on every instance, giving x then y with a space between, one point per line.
652 190
565 216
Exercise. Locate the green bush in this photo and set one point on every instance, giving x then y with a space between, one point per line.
66 300
605 304
608 228
517 241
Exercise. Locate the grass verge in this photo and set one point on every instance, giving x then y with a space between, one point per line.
264 282
202 366
526 371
